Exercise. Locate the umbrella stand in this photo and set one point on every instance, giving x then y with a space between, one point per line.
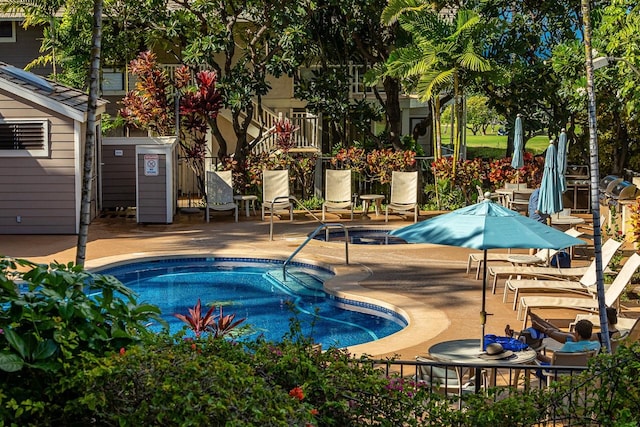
483 313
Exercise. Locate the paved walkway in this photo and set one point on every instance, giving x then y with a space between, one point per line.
426 282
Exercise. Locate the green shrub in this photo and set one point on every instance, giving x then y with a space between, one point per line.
313 203
50 315
189 382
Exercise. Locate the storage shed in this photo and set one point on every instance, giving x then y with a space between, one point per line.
140 172
42 140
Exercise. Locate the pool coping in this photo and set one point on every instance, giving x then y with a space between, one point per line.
423 322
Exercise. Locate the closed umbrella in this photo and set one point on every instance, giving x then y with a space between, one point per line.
486 225
562 160
518 143
550 197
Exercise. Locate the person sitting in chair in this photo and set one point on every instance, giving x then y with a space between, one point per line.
579 340
542 326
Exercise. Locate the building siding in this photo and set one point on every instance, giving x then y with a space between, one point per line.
25 49
38 192
118 176
152 193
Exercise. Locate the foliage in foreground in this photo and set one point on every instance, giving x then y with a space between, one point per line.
173 380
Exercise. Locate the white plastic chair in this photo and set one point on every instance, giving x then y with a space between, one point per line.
337 192
275 185
220 192
404 194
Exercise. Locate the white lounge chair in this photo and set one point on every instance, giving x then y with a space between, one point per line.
609 248
404 194
220 192
275 185
586 303
337 192
545 255
584 285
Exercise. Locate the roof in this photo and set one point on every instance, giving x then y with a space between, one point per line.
47 93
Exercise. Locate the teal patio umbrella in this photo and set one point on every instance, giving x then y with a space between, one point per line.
485 225
518 145
550 197
562 160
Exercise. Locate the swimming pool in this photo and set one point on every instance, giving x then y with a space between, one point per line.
253 288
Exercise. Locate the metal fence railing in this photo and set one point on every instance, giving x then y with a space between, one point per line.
503 381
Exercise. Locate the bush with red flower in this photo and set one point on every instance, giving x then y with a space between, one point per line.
501 172
375 165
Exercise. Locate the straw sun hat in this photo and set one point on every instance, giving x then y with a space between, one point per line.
495 351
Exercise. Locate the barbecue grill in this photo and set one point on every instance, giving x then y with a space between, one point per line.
608 182
614 188
578 196
624 190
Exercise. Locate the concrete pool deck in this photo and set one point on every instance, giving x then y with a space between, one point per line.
427 283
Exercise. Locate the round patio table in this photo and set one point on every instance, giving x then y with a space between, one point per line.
468 351
569 220
248 200
367 200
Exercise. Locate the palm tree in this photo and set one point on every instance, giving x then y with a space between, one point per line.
442 56
90 140
595 171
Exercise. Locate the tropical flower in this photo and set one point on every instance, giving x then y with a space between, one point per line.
297 393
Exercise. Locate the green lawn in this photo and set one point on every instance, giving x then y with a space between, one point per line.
494 146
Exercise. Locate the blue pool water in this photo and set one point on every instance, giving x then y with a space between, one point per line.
254 289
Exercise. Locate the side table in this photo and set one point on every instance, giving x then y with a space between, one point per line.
246 200
367 200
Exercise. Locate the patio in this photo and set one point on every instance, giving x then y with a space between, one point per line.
428 282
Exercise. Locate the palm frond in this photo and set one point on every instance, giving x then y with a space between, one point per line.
432 82
396 8
466 21
375 74
474 62
402 60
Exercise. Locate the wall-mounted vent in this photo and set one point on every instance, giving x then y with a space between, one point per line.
24 138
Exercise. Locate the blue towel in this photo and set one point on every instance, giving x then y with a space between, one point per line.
536 334
508 343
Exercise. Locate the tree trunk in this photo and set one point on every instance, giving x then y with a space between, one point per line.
457 126
392 111
240 127
90 139
595 173
222 143
438 128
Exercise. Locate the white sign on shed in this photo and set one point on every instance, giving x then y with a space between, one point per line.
151 165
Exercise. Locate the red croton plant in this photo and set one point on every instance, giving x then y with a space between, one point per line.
150 106
218 325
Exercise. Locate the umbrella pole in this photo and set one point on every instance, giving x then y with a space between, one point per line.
483 313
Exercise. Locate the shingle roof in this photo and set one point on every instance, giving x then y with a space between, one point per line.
46 92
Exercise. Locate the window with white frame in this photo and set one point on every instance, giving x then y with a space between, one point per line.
24 138
7 31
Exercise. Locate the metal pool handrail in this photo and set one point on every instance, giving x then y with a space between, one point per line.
311 236
287 198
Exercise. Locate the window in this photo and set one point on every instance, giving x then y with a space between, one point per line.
112 81
24 138
7 31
